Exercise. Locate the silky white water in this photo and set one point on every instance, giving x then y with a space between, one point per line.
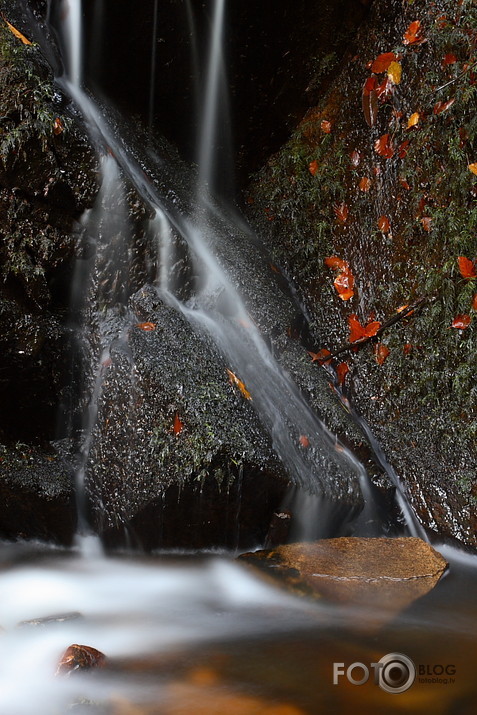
122 608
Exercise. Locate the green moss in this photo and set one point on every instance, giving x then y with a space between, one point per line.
435 381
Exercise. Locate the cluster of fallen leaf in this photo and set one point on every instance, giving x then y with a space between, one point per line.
386 73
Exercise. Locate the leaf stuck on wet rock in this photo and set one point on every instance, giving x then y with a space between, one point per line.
17 33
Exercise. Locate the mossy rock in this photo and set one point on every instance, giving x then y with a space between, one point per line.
421 403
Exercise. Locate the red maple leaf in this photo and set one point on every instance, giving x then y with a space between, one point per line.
383 146
382 62
461 321
466 267
358 331
381 352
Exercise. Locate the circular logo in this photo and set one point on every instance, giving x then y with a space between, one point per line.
397 673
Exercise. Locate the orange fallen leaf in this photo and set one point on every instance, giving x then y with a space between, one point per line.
440 107
369 101
394 72
413 34
473 168
344 281
384 89
407 348
325 126
413 120
321 356
358 331
335 262
17 33
58 126
383 224
355 157
403 149
449 59
304 441
384 147
234 380
404 183
461 321
178 425
426 222
313 167
466 267
146 326
341 371
341 212
382 62
474 302
381 352
346 294
365 184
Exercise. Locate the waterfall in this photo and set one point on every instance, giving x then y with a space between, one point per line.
73 40
216 306
213 95
152 80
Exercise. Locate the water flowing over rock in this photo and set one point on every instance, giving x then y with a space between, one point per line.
238 318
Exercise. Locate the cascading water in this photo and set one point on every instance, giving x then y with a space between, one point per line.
215 305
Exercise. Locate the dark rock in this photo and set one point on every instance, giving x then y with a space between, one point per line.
46 181
49 620
36 494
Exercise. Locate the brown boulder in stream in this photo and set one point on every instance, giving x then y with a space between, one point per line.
389 573
80 657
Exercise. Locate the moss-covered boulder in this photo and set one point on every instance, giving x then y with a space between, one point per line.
381 173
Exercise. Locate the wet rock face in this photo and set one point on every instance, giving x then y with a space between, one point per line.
335 189
36 495
47 178
168 415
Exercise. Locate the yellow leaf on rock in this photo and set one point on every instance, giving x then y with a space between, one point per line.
394 72
17 33
238 383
